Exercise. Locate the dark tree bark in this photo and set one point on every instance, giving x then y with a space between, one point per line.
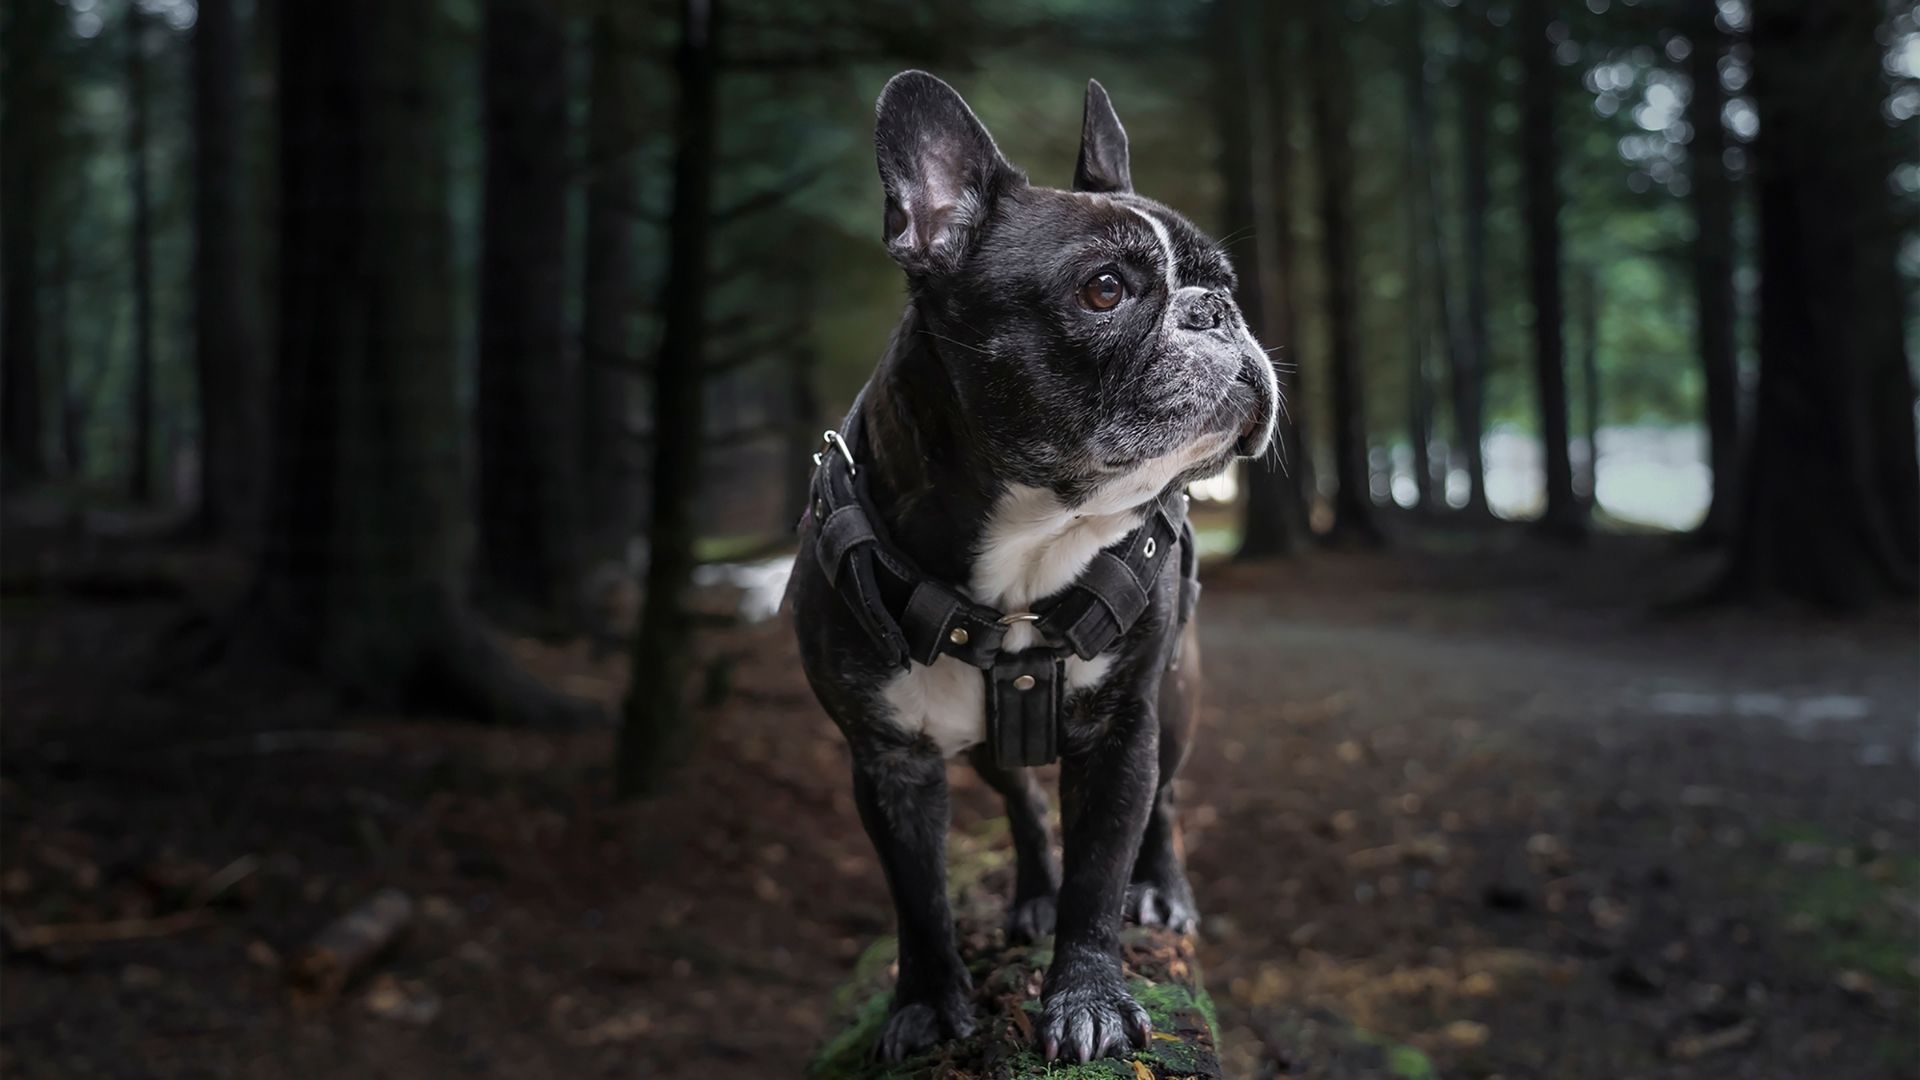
1419 398
1590 303
610 477
1295 447
1830 510
1274 519
527 399
227 366
27 70
1469 374
60 350
1540 156
1713 253
365 554
1422 270
1463 376
140 404
1332 109
657 732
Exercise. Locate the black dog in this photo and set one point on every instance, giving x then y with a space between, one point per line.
996 558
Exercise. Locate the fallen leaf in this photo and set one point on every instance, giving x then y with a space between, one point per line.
1141 1072
1858 983
1465 1034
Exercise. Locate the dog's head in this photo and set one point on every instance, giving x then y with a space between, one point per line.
1091 335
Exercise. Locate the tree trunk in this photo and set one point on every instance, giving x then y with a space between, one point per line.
1590 301
1831 492
1540 156
140 424
1419 399
657 732
1713 267
365 554
1274 521
610 477
60 349
527 400
1470 362
1295 448
227 367
27 69
1421 269
1420 416
1332 109
1462 366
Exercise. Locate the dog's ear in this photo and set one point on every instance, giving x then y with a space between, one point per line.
940 169
1103 146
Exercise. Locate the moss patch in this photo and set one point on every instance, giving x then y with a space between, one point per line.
1408 1063
1848 916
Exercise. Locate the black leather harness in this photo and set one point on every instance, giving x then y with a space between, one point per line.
916 619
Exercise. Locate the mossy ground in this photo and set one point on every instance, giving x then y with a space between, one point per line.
1850 910
1166 982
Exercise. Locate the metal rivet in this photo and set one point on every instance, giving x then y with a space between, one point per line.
1024 682
1150 547
959 635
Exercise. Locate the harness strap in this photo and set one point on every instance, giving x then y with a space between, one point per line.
1024 689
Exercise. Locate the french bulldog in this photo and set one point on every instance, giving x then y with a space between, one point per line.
1067 359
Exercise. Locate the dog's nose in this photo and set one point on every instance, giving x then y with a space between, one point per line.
1199 309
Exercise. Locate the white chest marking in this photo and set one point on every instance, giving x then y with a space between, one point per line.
1032 547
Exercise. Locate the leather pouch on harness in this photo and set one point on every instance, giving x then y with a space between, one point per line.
1023 707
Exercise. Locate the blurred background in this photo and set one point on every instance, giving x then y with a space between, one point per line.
406 405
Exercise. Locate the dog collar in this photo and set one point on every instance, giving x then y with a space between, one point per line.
915 618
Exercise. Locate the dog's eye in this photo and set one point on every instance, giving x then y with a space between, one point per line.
1103 293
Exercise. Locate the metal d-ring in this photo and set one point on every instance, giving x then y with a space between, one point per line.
831 438
1018 617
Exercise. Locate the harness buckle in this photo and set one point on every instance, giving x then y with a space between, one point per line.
830 439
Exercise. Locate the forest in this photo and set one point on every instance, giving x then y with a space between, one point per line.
406 407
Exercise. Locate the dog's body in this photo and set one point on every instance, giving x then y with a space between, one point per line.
1067 360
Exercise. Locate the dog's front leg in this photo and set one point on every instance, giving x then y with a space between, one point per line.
1106 791
902 796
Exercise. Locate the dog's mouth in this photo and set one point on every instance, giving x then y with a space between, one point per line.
1251 439
1255 405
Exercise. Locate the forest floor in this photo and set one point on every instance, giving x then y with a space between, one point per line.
1489 809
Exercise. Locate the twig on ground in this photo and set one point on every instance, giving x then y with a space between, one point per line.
349 943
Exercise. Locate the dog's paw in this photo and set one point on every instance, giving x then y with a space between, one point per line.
1098 1019
1030 920
916 1025
1163 903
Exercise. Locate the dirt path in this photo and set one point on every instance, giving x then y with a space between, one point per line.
1450 816
1590 843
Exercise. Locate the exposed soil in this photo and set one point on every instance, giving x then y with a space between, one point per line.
1468 813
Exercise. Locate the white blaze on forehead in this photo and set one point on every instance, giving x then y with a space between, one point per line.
1166 245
